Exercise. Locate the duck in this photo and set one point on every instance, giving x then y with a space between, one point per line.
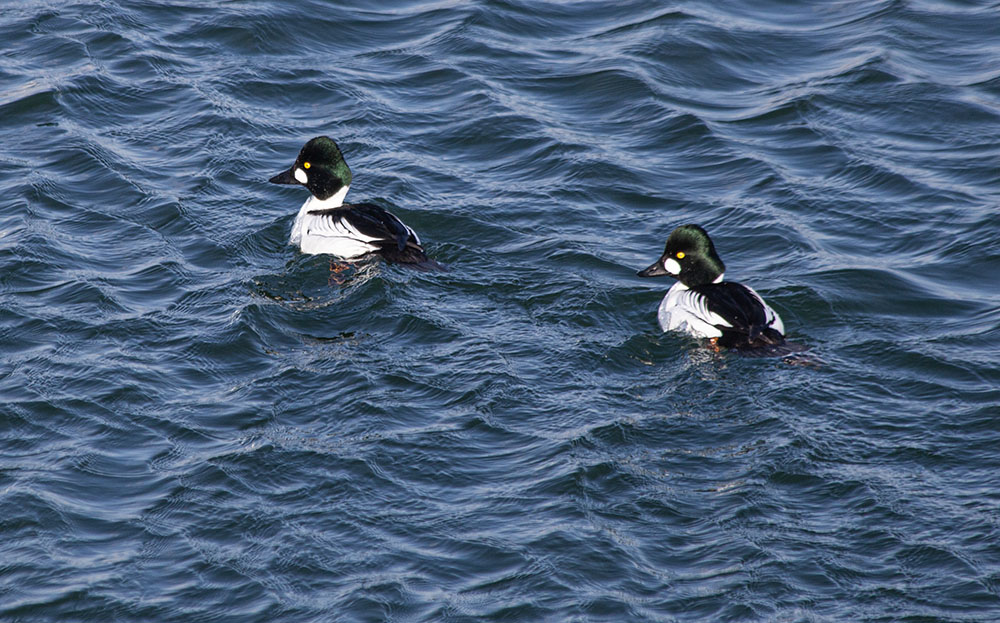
327 225
731 315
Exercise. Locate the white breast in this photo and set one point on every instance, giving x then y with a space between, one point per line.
341 246
683 310
315 234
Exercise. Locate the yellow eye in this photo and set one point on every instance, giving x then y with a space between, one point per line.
680 255
306 165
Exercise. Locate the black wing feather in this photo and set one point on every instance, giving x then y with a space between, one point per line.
397 243
742 309
372 221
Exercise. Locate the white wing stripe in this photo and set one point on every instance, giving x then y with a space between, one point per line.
773 319
697 305
327 225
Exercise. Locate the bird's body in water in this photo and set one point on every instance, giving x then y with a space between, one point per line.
327 225
702 304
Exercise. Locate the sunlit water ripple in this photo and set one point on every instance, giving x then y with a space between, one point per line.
199 425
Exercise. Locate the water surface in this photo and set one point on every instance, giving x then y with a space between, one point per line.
197 425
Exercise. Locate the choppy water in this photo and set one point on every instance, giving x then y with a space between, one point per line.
197 426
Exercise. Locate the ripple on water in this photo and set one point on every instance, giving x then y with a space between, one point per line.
200 423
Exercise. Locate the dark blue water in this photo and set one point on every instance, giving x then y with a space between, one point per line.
197 424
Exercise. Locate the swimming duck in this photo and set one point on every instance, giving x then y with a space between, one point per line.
326 225
731 314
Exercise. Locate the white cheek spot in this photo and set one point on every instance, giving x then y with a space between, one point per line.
671 266
300 175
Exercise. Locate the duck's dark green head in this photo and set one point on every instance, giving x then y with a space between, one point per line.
320 167
689 257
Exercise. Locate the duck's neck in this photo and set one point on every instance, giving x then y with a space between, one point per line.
683 286
333 201
311 204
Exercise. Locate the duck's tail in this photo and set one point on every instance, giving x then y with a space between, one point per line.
766 342
782 349
411 256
